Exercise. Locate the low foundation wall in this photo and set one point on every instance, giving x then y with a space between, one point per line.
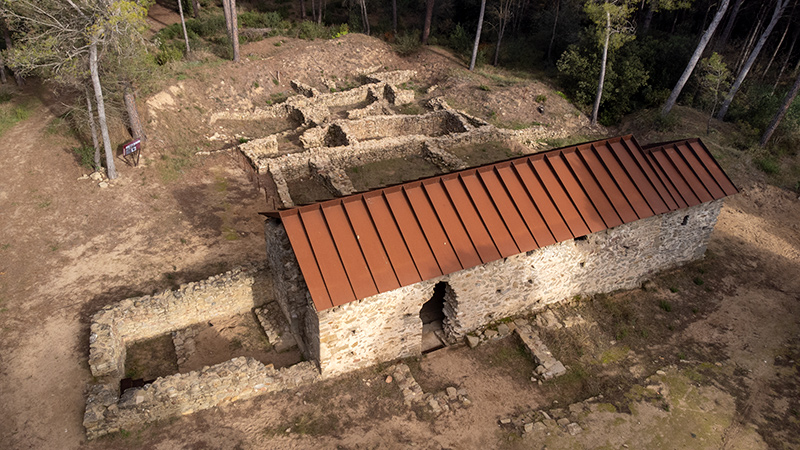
387 326
433 124
115 326
238 379
134 319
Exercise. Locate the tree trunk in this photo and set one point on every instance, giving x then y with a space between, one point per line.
7 37
134 123
93 128
426 28
235 31
183 24
195 8
302 9
553 36
226 9
780 42
497 47
726 34
321 7
477 36
785 62
779 7
787 102
394 17
314 10
2 70
751 39
648 18
777 48
603 61
364 16
101 110
698 52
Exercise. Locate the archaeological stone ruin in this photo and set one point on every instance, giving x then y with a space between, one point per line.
392 232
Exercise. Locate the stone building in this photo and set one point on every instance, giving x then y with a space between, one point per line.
368 277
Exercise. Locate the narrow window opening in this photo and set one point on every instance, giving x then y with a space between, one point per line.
581 238
685 220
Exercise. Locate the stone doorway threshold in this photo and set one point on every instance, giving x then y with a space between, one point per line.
432 336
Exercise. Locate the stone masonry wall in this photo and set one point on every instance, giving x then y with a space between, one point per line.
180 394
436 123
115 326
289 288
140 318
387 326
379 328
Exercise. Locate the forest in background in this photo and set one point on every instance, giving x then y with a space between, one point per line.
747 72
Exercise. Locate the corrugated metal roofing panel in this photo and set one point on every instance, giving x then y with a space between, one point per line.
552 185
604 178
360 245
541 198
457 234
414 237
508 212
643 184
594 191
712 166
674 177
306 259
371 246
632 193
700 171
491 218
471 219
688 175
346 242
327 256
527 209
392 240
432 229
579 198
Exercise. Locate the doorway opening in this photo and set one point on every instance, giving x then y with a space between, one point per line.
432 317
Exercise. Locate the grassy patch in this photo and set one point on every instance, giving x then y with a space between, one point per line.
570 140
665 305
508 356
172 166
514 124
390 171
410 109
614 354
489 152
230 234
768 164
85 154
11 114
57 126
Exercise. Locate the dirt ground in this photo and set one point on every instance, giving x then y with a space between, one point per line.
722 332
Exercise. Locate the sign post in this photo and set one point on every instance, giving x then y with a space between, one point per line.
132 149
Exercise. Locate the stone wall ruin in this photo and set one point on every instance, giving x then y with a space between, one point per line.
118 325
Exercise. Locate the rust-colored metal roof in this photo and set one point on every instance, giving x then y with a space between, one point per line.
364 244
